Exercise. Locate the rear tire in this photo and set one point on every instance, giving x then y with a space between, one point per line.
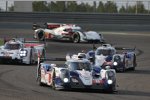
124 66
134 63
40 35
133 68
1 61
76 38
43 53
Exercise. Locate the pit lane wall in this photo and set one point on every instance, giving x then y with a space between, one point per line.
94 20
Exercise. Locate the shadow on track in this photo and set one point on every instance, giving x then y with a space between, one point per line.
89 91
68 41
137 71
133 93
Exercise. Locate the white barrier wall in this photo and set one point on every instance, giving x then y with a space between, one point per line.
23 6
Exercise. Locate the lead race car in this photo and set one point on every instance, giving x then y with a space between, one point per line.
76 73
20 51
71 32
109 55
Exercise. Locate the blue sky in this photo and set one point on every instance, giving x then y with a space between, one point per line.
119 2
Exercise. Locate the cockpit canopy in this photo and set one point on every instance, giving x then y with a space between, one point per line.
12 46
72 29
79 66
105 52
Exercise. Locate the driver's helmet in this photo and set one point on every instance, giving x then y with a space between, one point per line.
96 70
91 53
108 58
107 67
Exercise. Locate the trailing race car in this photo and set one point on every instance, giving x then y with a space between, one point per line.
109 55
20 51
70 32
76 73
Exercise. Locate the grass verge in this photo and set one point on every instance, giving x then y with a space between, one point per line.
1 42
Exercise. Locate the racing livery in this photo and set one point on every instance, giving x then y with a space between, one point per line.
20 51
109 55
76 73
70 32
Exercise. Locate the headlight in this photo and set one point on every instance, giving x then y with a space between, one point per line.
115 63
75 80
109 81
66 80
23 53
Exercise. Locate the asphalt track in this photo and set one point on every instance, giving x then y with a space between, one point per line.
18 82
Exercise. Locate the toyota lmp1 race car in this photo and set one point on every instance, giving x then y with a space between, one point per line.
70 32
109 55
20 51
76 73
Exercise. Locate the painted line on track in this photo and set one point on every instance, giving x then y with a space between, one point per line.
128 33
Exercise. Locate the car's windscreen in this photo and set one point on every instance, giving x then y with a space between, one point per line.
105 52
80 66
71 30
12 46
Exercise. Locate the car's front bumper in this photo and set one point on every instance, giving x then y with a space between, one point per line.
119 67
94 86
9 59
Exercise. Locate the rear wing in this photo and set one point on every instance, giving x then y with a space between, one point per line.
39 42
40 60
46 25
23 40
13 39
123 48
52 59
35 26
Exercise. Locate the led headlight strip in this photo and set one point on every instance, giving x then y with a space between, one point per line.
23 53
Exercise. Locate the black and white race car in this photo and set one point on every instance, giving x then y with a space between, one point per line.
20 51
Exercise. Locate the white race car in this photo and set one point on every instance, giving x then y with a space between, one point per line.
70 32
19 51
109 55
76 73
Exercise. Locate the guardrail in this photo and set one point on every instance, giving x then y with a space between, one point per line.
89 21
79 18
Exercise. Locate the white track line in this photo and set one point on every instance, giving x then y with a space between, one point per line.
128 33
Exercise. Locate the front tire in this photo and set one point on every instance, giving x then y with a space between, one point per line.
39 78
53 80
109 90
31 62
39 81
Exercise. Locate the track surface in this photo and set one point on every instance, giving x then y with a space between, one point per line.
18 82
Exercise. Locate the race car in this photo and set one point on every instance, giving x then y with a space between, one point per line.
76 73
109 55
70 32
17 50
